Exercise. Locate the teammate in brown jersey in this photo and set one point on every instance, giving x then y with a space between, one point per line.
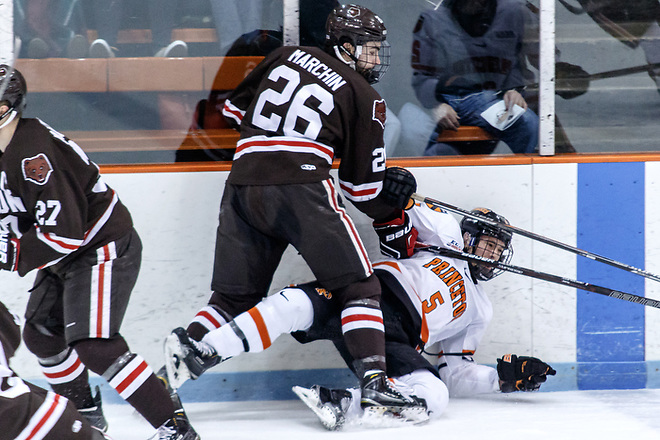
58 216
28 411
297 111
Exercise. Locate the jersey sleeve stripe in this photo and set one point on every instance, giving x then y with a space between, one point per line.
44 418
230 111
64 245
362 192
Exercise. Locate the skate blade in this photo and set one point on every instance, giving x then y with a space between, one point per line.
177 371
310 398
383 416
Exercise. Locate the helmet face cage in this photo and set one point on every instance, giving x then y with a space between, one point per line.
476 230
15 88
357 25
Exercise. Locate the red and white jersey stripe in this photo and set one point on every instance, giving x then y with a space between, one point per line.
101 292
131 377
291 144
350 226
209 318
360 193
66 246
358 318
232 112
43 420
66 371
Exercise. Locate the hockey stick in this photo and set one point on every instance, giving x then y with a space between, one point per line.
543 276
610 73
537 237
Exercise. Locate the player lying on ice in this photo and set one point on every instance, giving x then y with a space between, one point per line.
427 300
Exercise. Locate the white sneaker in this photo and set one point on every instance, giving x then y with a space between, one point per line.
176 49
100 49
78 47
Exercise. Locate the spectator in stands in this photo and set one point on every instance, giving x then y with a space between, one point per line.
467 56
50 28
107 19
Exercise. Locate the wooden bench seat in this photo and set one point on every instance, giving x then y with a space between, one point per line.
147 74
465 133
153 140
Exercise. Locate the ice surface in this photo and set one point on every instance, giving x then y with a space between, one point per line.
566 415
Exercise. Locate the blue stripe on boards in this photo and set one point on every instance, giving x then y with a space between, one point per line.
610 222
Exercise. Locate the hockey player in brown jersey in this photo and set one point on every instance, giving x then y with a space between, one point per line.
58 216
28 411
297 111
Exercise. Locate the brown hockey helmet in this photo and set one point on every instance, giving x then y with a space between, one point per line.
358 25
355 24
13 88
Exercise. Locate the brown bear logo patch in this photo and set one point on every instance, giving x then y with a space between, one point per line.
380 110
37 169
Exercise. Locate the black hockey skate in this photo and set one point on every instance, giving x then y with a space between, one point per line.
380 396
176 428
186 358
94 413
329 405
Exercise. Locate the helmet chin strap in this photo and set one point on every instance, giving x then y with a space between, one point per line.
352 63
12 115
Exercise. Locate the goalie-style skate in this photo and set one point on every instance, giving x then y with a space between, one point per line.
186 358
329 405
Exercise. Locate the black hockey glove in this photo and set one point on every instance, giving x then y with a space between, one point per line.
571 80
398 185
522 373
9 247
397 237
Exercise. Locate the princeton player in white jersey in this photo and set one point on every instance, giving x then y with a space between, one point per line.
429 302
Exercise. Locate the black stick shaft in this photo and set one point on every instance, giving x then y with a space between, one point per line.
537 237
544 276
613 73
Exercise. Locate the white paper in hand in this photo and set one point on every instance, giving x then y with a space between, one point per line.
497 116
